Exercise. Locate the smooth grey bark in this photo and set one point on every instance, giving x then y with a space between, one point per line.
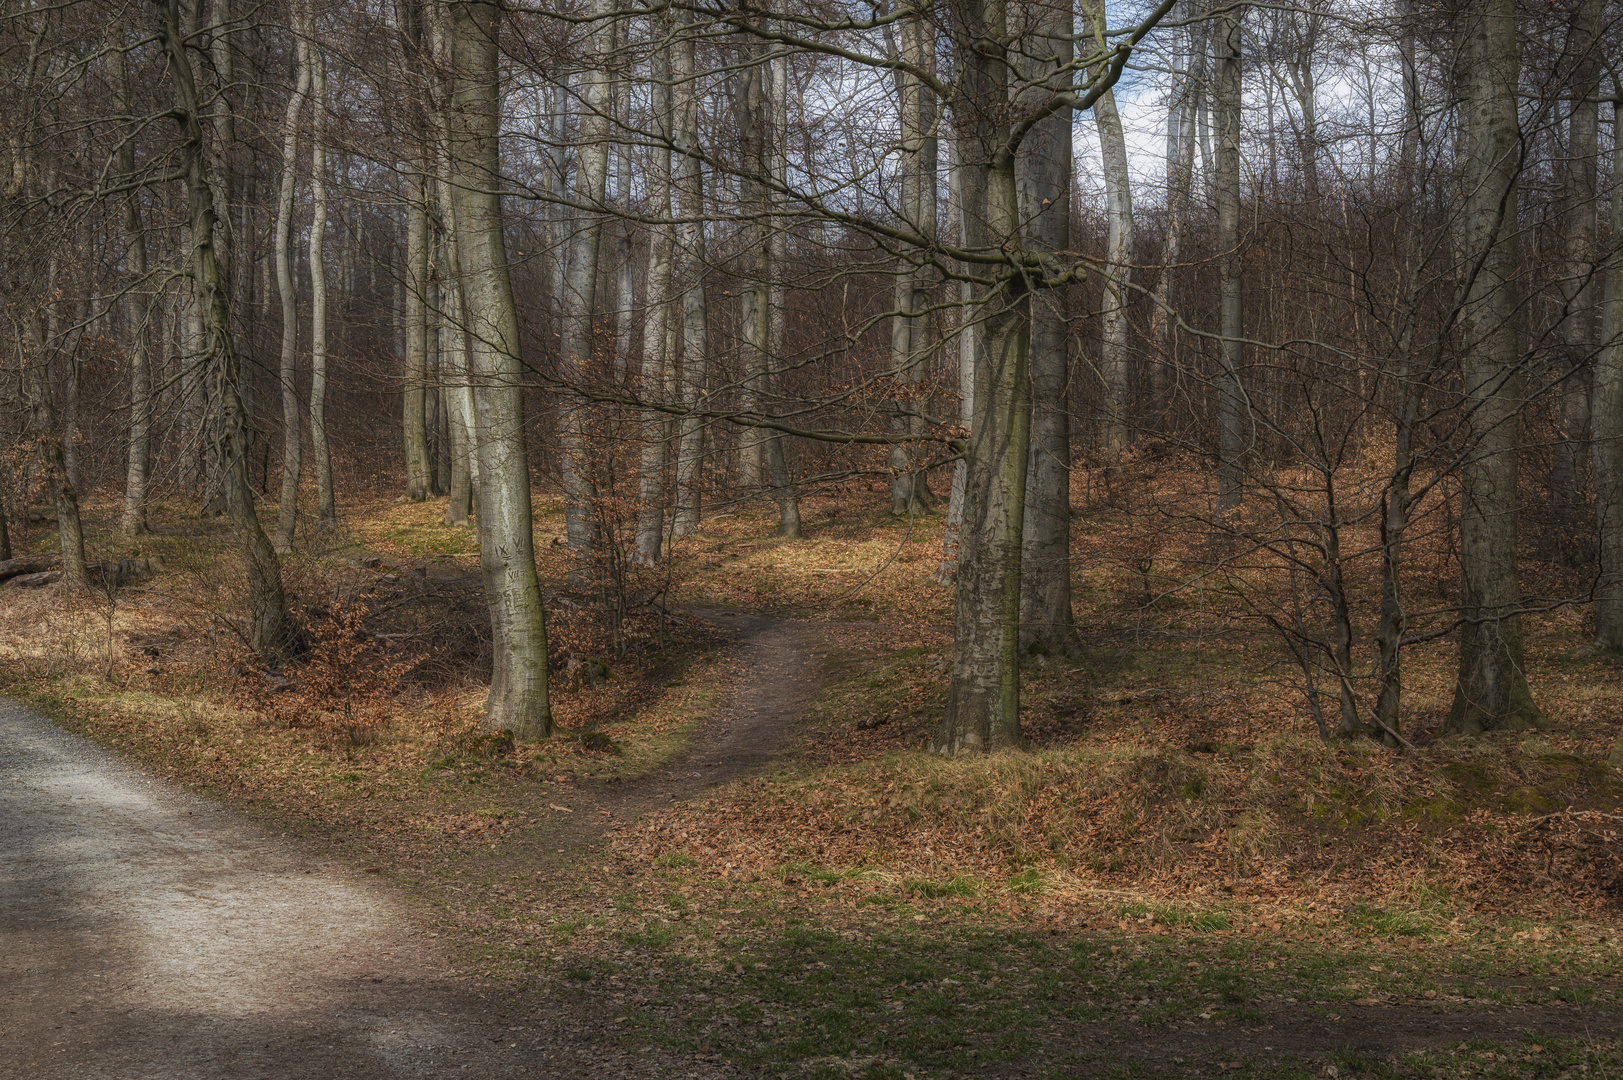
519 700
1580 240
287 290
267 634
969 333
777 458
1606 426
579 302
1043 170
748 89
657 301
910 327
1115 332
692 269
413 406
983 701
1190 88
755 110
320 450
414 383
453 326
624 282
1231 411
1491 690
138 467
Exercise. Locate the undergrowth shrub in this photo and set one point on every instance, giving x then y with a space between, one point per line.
346 686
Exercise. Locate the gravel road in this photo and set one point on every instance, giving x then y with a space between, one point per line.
148 933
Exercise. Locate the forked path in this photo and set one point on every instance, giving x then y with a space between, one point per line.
148 933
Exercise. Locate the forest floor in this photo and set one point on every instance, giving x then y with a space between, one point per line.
770 878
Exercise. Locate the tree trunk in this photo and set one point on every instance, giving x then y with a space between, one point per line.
1180 182
48 438
138 469
1607 425
969 335
656 351
777 459
414 382
983 702
695 351
1580 240
1043 166
1231 412
326 512
1115 332
267 608
1491 691
518 698
910 326
749 96
579 302
287 288
453 335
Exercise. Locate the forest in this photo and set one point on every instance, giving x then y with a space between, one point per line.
798 538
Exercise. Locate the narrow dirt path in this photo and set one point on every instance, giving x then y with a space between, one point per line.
754 723
148 933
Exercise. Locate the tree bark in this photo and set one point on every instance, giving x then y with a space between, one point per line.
579 302
287 289
138 469
1581 242
267 606
42 421
657 300
1043 167
1607 424
693 267
910 326
518 699
1491 690
413 405
777 458
1115 332
326 511
1180 183
983 701
1231 411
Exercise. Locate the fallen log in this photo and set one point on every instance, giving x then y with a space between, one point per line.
29 564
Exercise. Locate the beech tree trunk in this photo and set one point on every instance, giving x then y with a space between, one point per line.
656 339
42 420
910 326
1043 166
579 302
267 606
287 289
1581 241
518 699
137 474
1190 90
1115 333
326 512
413 404
777 458
1491 690
1607 426
983 702
693 267
1231 411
